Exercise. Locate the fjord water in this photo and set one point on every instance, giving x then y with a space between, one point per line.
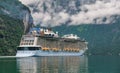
79 64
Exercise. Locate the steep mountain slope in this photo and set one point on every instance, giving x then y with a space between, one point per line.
102 39
12 13
73 12
10 34
13 8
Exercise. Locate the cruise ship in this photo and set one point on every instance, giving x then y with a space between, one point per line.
45 42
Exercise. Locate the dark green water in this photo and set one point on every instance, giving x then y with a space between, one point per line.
82 64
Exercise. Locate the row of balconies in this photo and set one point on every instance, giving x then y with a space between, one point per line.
65 49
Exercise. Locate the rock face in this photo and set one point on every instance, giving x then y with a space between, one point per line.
16 10
73 12
13 8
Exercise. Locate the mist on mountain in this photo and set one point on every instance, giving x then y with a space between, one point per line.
73 12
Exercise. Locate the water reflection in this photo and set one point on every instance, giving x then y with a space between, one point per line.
83 64
8 65
53 65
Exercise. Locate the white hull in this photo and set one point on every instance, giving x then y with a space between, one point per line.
46 53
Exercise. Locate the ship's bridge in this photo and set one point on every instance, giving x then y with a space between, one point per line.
28 40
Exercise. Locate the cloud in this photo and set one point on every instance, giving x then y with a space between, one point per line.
98 11
27 2
53 13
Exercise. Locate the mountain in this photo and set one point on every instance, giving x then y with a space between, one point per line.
13 8
73 12
102 39
10 33
12 14
96 21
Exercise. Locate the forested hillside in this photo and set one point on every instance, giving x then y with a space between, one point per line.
102 39
12 14
10 34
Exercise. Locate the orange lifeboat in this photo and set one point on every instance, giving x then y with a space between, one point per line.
45 48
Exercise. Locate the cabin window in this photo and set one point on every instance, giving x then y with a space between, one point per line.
29 43
25 40
28 48
21 43
31 40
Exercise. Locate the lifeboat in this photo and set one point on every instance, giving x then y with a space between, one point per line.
45 48
55 49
